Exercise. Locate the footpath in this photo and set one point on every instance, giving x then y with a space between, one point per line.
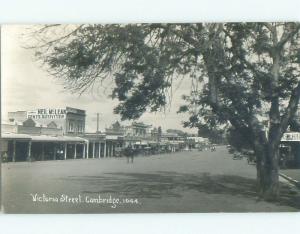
292 175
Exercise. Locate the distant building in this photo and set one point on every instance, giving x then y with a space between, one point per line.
138 129
70 120
116 129
173 141
75 121
290 145
17 116
195 142
59 134
44 134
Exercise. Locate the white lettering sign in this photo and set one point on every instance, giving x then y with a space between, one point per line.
291 136
47 113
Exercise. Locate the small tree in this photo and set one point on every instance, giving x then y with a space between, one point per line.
242 73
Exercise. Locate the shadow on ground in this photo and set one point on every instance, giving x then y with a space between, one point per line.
172 184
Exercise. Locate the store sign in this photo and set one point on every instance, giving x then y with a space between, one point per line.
112 137
47 113
291 136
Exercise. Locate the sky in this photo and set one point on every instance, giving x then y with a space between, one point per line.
26 86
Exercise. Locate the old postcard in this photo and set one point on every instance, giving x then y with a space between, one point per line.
150 118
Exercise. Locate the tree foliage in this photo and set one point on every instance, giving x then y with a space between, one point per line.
243 75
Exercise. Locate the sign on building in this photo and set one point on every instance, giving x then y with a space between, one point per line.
47 113
291 136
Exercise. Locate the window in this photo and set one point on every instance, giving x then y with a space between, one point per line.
71 126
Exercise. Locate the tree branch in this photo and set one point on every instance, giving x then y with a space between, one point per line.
287 36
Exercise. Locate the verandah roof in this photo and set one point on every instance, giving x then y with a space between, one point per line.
42 138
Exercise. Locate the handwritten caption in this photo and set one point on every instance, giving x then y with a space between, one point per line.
110 200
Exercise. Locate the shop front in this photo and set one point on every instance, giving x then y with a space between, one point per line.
289 150
25 147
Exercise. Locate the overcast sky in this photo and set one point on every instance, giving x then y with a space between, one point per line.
25 86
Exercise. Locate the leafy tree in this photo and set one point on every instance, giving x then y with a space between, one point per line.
242 74
215 135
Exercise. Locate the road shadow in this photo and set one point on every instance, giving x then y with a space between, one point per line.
172 184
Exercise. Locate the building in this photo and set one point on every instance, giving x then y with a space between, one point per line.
172 141
290 145
138 129
75 121
290 149
70 120
44 134
195 142
106 144
59 134
96 145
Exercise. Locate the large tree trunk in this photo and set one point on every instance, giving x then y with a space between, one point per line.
267 171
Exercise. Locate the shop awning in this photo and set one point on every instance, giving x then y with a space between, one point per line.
15 136
58 138
43 138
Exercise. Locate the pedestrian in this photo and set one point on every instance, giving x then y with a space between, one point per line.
129 153
282 160
4 157
133 151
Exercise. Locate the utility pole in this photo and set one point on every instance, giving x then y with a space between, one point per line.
97 122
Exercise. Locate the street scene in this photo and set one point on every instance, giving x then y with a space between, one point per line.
187 181
150 118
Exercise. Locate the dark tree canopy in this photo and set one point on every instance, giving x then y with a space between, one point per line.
243 74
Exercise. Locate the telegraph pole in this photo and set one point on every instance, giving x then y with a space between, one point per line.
97 122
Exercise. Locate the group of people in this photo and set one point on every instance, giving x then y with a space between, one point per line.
129 153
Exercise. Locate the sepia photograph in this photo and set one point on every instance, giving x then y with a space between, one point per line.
150 118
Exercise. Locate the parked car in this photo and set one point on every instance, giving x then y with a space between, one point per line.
237 156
